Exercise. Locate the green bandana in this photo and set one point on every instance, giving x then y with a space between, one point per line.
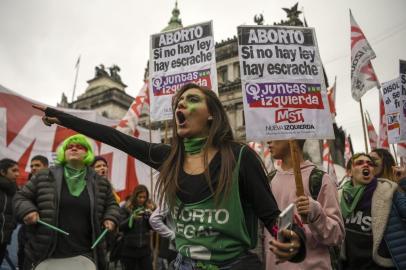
135 213
194 145
350 198
75 179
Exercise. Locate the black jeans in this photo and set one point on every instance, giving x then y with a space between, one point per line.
3 248
140 263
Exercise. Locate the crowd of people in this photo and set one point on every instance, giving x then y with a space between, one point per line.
217 207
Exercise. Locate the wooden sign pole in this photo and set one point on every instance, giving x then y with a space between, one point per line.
294 152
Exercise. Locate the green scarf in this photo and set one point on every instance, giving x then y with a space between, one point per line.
134 214
350 198
194 145
75 179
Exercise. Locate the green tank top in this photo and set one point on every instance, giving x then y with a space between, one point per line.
213 234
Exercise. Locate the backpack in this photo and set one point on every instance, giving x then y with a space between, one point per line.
315 181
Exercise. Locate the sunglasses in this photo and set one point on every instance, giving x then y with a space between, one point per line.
77 146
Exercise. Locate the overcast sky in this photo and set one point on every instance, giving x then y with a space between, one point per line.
40 41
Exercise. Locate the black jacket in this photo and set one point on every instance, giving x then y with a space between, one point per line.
42 194
7 220
137 238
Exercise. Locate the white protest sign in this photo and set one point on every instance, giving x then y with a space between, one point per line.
402 77
392 101
178 57
282 82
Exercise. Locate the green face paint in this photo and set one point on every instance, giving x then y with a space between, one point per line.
191 107
192 102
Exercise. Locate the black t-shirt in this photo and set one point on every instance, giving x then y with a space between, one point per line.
74 218
358 242
253 184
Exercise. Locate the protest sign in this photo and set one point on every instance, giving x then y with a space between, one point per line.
283 86
178 57
392 101
402 81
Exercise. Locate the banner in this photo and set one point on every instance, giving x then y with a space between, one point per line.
402 82
178 57
283 84
23 135
363 75
392 101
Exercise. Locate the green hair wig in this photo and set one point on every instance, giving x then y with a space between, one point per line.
77 139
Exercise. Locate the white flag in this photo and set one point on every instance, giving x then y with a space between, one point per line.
363 75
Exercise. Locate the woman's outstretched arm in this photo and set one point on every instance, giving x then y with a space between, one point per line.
151 154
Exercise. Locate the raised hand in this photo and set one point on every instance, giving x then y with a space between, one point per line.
399 172
46 119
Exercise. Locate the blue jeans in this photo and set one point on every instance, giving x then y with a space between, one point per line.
247 261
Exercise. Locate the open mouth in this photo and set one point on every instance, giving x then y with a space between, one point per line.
181 117
365 172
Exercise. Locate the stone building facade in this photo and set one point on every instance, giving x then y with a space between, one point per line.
105 94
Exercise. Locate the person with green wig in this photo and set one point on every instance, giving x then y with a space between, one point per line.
72 197
365 203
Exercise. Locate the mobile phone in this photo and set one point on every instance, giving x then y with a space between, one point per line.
285 221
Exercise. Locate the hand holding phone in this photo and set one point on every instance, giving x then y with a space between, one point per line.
285 221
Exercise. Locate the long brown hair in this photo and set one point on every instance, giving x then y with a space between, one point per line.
387 163
220 136
133 199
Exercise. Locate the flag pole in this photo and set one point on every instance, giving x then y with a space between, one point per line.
394 153
363 127
151 179
76 77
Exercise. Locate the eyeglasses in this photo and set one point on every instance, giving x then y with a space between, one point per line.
363 161
77 146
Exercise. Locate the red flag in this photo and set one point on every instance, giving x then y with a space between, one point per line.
383 129
129 122
331 95
347 150
372 135
129 126
363 75
263 151
328 163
